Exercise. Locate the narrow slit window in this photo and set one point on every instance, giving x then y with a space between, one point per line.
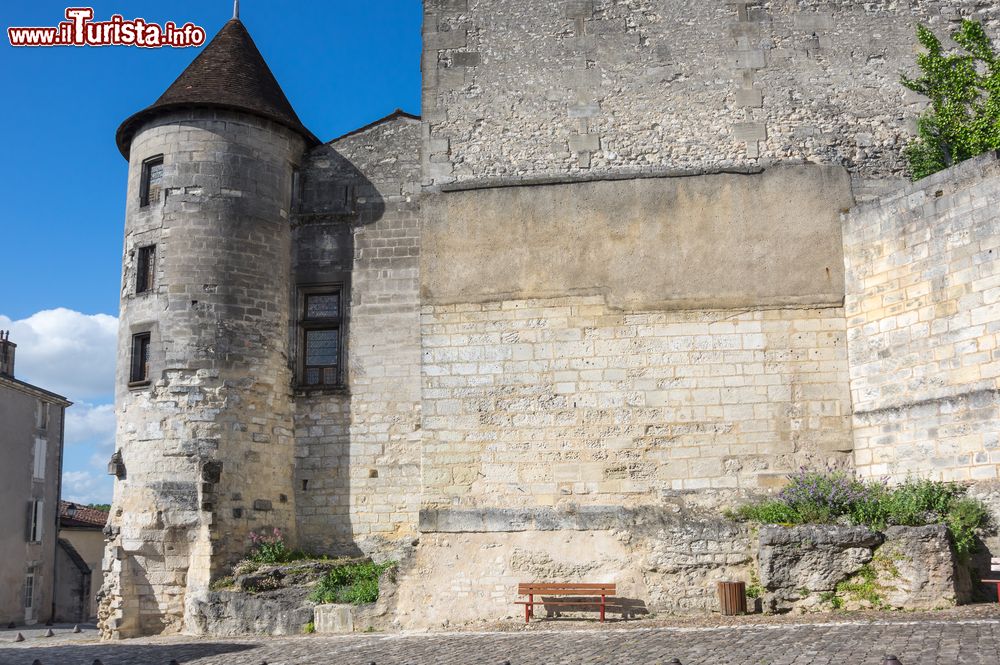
140 358
152 181
322 340
144 269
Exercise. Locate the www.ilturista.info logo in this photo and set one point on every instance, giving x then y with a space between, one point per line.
81 30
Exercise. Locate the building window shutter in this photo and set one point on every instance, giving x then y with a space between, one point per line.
39 471
36 519
29 522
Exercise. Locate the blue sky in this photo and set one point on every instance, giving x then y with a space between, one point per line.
341 64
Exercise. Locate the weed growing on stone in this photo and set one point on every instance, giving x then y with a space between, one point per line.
869 584
754 589
833 497
222 584
355 583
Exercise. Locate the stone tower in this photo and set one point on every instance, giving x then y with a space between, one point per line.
205 431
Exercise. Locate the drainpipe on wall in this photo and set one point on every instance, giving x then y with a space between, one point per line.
55 544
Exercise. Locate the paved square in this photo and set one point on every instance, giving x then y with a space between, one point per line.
936 642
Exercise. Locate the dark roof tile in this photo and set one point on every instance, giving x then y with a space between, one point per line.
229 73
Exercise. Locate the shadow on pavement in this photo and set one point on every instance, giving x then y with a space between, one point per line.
118 654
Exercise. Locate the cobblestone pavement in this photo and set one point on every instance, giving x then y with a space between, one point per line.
925 642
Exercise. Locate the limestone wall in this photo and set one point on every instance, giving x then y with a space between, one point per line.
734 240
923 316
661 560
540 402
523 88
358 449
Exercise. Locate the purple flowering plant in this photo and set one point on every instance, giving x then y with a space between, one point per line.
268 547
833 496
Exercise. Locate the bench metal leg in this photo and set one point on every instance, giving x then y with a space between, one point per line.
602 609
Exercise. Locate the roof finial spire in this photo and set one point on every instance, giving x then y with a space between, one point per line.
236 9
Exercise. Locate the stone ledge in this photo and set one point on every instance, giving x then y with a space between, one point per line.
583 518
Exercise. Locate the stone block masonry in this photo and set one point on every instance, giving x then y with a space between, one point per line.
662 560
539 402
695 85
923 317
358 450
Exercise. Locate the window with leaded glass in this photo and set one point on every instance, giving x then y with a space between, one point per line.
321 338
152 181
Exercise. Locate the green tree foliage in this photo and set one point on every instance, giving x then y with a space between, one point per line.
964 91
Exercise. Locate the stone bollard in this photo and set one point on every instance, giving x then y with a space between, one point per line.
76 629
891 660
674 661
19 637
48 633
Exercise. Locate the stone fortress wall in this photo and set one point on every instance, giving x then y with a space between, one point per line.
357 459
633 336
923 320
573 87
605 288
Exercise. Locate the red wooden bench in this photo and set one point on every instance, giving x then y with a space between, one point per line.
994 567
565 594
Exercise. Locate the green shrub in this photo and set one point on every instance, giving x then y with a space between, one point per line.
355 583
768 512
815 497
964 517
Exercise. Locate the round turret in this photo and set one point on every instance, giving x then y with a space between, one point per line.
204 379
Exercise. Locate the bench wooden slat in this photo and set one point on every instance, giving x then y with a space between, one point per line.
567 592
555 585
577 603
607 589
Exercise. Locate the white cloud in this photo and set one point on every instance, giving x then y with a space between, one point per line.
86 487
90 423
66 352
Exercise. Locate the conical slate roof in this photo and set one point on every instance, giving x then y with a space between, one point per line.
229 73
